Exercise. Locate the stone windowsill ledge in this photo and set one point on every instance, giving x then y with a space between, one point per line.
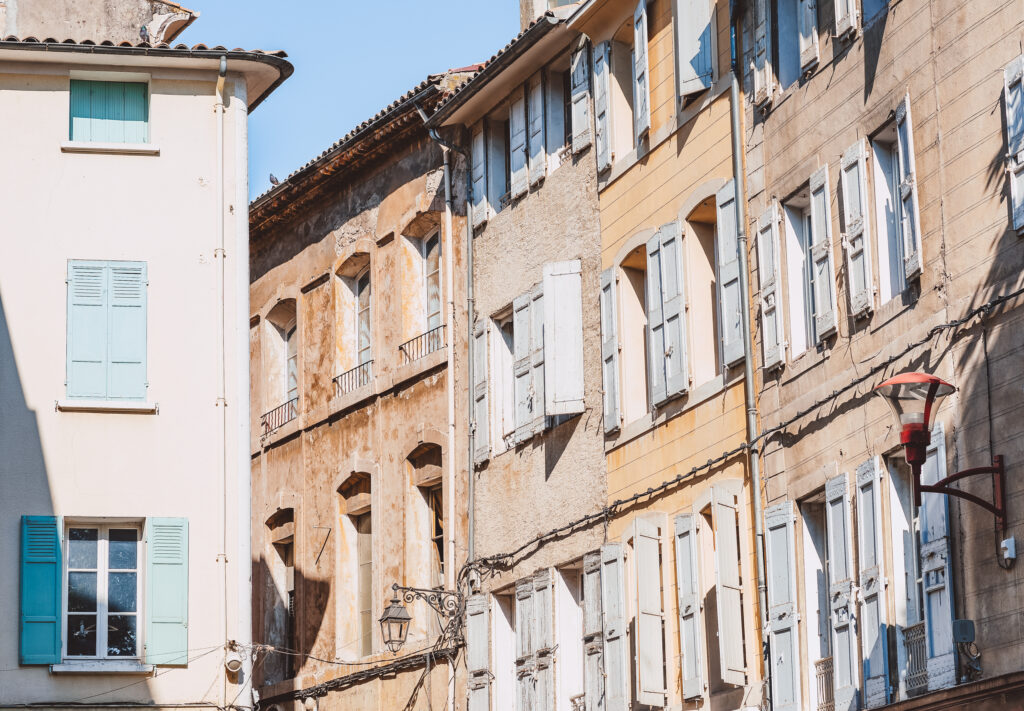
114 406
129 149
103 666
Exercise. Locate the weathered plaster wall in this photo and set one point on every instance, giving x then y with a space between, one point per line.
97 20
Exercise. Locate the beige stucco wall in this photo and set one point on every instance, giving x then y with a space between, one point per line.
114 20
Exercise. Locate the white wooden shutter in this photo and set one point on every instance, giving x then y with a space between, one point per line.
846 17
729 303
580 87
613 605
784 643
610 349
1013 101
871 622
840 593
563 338
478 653
696 35
602 110
535 128
770 283
525 630
691 627
807 27
673 309
479 174
554 117
856 237
126 331
517 144
821 255
521 370
762 69
544 645
936 573
481 413
538 414
910 221
88 318
655 324
649 641
593 639
641 73
725 512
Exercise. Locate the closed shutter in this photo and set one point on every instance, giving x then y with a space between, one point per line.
544 645
840 593
807 26
762 69
522 373
673 309
167 591
696 43
846 17
821 255
784 644
580 88
479 174
525 630
602 112
691 623
613 604
517 144
610 349
1013 101
936 573
41 575
641 73
729 302
481 414
871 623
126 378
109 111
538 414
535 128
563 338
649 642
478 653
593 639
856 237
656 384
910 221
768 276
87 366
727 586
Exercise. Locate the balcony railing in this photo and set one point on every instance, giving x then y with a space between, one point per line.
353 379
823 679
280 415
423 345
917 659
578 702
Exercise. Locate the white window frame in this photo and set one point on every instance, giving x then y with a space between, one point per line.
424 254
365 273
291 360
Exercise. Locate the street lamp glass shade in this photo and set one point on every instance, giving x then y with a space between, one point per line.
914 398
394 625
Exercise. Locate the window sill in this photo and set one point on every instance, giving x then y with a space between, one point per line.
128 149
114 406
103 666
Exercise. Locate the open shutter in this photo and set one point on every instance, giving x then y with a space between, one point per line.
478 148
556 85
821 255
521 327
649 643
580 89
563 338
935 570
544 645
41 575
673 314
910 221
525 630
729 303
517 144
871 622
840 593
167 591
535 128
593 641
478 653
691 628
768 276
846 17
1013 101
610 349
613 605
538 415
655 323
856 237
762 69
88 291
696 36
641 73
481 414
782 615
727 584
807 26
602 113
126 331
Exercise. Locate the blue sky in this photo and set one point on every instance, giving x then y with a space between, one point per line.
351 60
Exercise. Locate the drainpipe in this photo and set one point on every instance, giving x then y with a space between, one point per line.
748 361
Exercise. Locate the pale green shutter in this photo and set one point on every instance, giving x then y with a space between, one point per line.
478 653
691 627
126 337
109 111
782 614
87 329
167 591
641 73
41 574
609 350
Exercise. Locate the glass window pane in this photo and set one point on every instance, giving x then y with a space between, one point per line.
122 592
81 635
81 592
121 636
82 546
123 549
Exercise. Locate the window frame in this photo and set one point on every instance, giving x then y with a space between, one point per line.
426 276
360 310
126 78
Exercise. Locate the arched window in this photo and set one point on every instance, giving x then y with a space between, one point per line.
355 566
280 364
279 621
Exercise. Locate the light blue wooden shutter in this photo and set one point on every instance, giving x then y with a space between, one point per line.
649 639
538 397
613 604
763 80
602 109
478 653
695 44
481 414
856 237
522 373
580 96
478 148
655 323
109 112
126 376
782 615
167 591
517 130
1013 101
821 255
673 309
563 338
593 640
909 217
691 627
535 128
41 575
544 644
936 570
610 349
641 73
525 630
871 623
729 304
87 329
725 510
807 27
771 288
840 593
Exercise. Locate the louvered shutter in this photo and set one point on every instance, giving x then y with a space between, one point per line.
641 73
729 302
525 630
478 653
840 593
856 238
871 623
481 413
910 221
535 128
517 144
126 324
538 397
479 174
768 276
613 604
649 643
580 87
1013 101
807 27
695 42
602 112
655 324
691 624
610 349
563 338
41 575
936 573
763 80
544 645
821 255
88 291
727 586
673 309
593 639
846 17
782 612
167 591
522 372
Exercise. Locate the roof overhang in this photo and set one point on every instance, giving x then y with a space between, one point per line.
598 19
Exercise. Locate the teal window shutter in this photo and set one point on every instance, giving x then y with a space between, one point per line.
109 111
126 335
167 591
41 572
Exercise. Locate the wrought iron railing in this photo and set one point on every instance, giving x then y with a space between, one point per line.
280 415
823 678
423 345
353 379
917 659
